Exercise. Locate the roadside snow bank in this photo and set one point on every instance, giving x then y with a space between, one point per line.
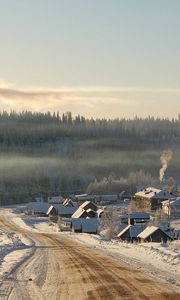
13 248
162 261
156 259
30 223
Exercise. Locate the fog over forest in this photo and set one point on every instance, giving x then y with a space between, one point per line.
48 154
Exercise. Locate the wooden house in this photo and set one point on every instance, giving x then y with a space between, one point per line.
37 208
153 234
87 210
59 210
152 197
130 232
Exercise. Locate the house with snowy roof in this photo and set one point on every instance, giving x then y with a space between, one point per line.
171 208
62 211
37 208
68 202
87 210
153 234
130 232
153 197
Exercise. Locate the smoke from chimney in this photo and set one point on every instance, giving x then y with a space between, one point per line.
165 159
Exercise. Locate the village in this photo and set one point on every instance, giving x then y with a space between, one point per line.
146 216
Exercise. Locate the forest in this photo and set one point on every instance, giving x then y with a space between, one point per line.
44 154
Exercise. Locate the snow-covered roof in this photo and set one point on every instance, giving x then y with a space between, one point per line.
68 202
86 207
171 202
66 210
91 212
164 195
78 213
147 231
124 230
88 203
39 207
154 193
99 212
81 195
62 210
84 197
134 230
50 209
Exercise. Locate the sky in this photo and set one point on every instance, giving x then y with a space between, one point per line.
99 58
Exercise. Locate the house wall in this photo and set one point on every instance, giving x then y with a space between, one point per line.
143 202
76 230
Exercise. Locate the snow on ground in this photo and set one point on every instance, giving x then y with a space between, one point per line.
12 250
40 224
160 261
30 223
156 259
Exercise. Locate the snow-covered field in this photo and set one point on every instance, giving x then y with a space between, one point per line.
159 260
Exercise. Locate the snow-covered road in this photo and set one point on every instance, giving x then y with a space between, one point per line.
69 266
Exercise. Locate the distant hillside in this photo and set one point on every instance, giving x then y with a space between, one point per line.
43 154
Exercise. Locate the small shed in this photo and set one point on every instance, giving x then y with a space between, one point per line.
153 234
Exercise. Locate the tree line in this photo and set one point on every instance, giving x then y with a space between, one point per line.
35 128
50 154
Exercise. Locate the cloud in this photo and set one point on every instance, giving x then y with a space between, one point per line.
37 99
12 97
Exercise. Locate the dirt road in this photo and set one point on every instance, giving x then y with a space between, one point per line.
61 269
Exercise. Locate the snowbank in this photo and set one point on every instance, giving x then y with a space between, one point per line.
13 248
162 261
